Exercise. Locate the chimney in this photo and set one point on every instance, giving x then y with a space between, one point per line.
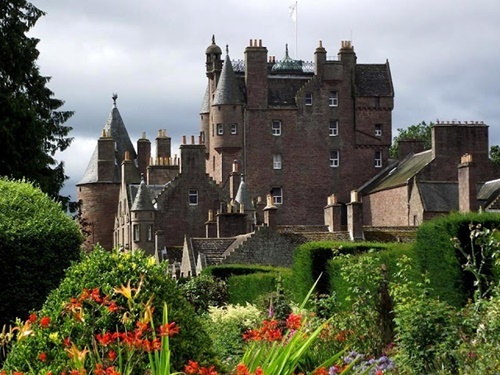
256 74
192 159
319 59
234 180
355 217
467 185
105 157
143 154
333 212
270 213
408 146
163 144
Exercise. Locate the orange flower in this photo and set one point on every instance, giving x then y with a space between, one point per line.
104 339
99 370
112 355
320 371
191 368
241 369
42 356
169 329
208 371
293 321
259 371
32 318
44 322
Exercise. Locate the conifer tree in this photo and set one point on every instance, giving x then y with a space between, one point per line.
31 124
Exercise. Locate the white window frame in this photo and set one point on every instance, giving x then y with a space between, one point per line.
277 194
234 128
150 233
334 158
276 128
277 164
136 232
308 98
220 129
193 197
378 159
378 130
333 99
334 128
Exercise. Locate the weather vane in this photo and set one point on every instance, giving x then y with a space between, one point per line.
114 97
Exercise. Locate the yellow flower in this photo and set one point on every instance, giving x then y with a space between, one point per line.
54 337
78 356
126 291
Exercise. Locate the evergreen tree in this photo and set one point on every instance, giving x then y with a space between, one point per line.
30 124
420 132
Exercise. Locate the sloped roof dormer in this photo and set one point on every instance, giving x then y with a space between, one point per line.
142 201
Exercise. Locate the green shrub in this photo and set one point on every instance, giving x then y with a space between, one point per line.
38 241
442 262
248 288
205 291
108 271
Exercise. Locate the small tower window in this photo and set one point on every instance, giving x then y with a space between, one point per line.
308 98
150 232
334 158
276 128
234 128
333 99
220 129
193 197
378 159
334 128
277 194
277 161
137 232
378 130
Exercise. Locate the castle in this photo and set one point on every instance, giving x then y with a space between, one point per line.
277 138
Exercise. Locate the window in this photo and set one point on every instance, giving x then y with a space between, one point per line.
334 128
333 99
220 129
378 159
193 197
309 98
277 194
334 158
150 232
276 161
234 128
276 127
137 232
378 130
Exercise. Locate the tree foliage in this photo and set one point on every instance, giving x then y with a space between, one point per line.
38 241
30 122
421 131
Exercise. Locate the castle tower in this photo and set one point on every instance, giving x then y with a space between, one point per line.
143 220
99 188
226 138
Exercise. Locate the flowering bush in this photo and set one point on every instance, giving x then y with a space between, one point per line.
104 306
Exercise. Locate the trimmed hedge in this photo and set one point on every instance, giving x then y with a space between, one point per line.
311 259
38 241
442 262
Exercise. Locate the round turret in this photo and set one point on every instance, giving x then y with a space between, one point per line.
214 61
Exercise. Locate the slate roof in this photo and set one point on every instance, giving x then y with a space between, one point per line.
287 65
243 198
205 104
439 196
489 191
152 190
400 174
373 80
142 201
282 89
212 248
118 131
228 90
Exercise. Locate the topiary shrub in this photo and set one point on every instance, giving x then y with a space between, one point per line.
204 291
108 276
38 241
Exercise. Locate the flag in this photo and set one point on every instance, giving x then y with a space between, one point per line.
293 11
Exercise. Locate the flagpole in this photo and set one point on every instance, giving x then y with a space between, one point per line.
296 22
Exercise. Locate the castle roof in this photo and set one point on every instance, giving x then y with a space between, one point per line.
243 198
228 90
439 196
142 201
489 192
287 65
205 104
116 128
373 80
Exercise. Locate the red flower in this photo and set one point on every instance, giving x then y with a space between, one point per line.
32 318
169 329
320 371
191 368
104 339
42 356
379 372
208 371
111 371
259 371
67 342
113 307
293 321
242 369
99 370
45 321
112 355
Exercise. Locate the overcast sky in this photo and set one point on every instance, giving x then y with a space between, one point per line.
444 57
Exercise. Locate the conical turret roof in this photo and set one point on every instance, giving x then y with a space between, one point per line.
116 128
142 201
228 90
243 198
205 104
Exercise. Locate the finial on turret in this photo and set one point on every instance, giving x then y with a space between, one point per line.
286 50
213 39
114 97
227 49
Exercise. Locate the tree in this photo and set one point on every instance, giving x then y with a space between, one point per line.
495 154
420 131
31 126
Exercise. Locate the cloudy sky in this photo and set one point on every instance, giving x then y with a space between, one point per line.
443 54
